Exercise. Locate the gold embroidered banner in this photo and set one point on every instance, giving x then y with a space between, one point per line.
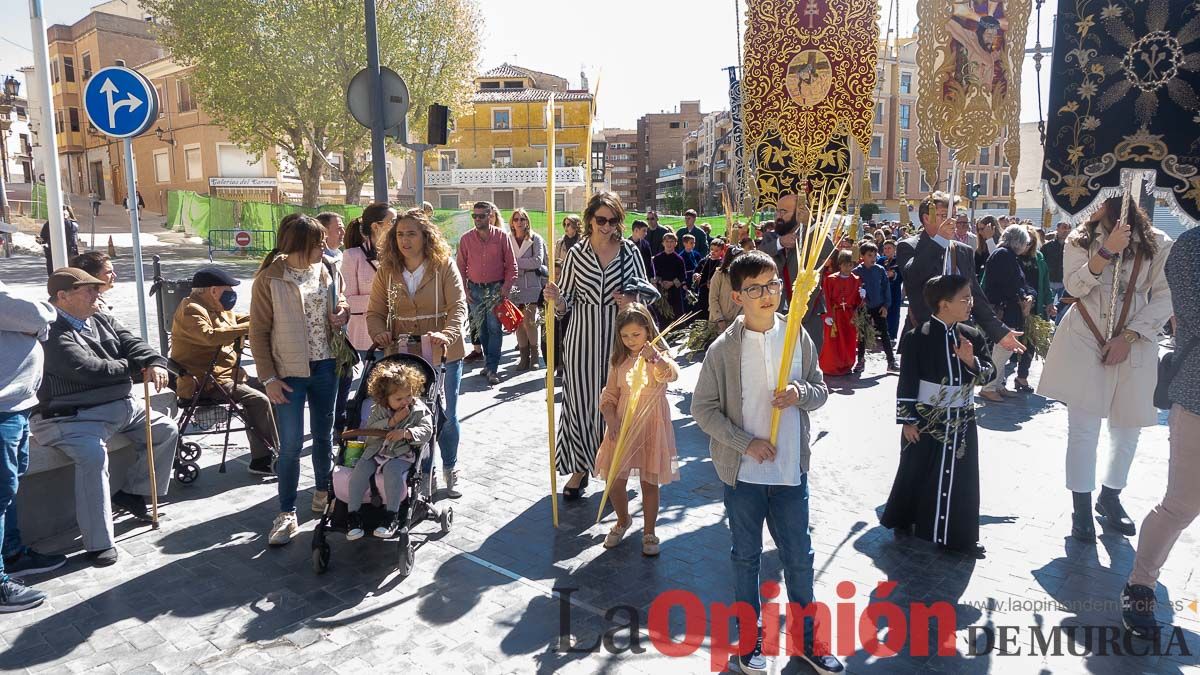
808 87
969 57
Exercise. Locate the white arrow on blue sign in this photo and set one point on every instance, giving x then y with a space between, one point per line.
120 102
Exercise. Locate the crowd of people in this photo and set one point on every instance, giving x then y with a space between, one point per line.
330 295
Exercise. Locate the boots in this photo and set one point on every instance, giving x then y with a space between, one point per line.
535 360
1109 506
1082 527
523 364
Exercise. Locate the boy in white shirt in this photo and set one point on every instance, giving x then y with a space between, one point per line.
732 403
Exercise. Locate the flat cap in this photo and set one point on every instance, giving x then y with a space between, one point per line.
207 277
68 278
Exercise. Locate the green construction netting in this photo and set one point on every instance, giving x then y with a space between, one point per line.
198 213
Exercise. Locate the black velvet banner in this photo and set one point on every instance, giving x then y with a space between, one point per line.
1123 95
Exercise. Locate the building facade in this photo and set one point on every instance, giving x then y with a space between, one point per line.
497 150
889 175
16 143
660 138
621 155
708 162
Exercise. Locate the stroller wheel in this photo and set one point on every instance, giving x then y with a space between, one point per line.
408 554
189 452
447 518
187 472
320 558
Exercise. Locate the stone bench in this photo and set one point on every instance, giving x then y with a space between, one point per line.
46 497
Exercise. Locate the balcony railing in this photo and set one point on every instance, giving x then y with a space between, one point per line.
531 176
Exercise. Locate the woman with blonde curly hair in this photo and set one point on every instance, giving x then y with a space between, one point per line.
417 304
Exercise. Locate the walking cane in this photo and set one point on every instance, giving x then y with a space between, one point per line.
150 454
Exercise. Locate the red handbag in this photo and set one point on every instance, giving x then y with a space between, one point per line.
510 315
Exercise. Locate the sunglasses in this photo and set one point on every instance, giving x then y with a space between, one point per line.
602 221
480 216
773 287
518 219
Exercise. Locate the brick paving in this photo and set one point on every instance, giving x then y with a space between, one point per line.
205 593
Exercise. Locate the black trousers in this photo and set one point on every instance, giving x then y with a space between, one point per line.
881 334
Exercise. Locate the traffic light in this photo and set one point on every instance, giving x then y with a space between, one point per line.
439 124
974 191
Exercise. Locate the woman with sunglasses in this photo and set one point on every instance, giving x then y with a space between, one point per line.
526 293
593 276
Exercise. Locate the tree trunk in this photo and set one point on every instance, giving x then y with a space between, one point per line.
354 181
310 178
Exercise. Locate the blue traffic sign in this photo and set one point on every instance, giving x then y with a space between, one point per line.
120 102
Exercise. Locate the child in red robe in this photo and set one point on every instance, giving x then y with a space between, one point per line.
842 297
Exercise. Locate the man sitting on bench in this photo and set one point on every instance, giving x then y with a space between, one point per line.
87 397
206 326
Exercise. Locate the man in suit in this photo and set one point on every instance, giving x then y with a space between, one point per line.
689 227
87 397
925 256
790 212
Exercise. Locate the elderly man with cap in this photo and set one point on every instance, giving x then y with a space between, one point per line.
87 397
205 326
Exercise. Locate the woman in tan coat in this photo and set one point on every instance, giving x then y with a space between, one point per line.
296 312
722 310
1099 377
418 298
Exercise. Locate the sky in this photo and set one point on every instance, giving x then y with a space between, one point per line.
645 55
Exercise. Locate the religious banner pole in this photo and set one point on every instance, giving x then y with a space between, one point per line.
549 312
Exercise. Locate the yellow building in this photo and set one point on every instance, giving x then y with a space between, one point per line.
497 150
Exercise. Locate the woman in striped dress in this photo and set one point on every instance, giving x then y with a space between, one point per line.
593 275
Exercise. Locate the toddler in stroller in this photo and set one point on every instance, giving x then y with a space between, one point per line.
401 424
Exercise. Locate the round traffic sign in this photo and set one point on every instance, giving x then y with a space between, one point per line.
120 102
241 238
396 100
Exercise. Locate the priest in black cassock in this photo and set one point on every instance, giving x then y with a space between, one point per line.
936 491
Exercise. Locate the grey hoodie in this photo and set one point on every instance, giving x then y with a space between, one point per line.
22 324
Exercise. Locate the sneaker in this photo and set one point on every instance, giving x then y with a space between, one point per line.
493 378
354 528
320 501
262 466
134 505
473 356
754 663
893 367
17 597
391 525
821 658
102 558
29 562
452 484
283 529
860 366
1137 611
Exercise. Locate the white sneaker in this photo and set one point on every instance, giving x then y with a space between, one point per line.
320 501
389 527
283 529
354 528
452 483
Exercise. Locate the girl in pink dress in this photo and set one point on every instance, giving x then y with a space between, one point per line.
650 451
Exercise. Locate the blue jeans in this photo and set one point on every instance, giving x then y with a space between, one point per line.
785 511
448 436
1058 290
14 461
320 390
489 329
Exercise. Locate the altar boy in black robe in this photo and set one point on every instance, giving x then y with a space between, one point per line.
936 491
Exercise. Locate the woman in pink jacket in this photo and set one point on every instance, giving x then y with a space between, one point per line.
359 265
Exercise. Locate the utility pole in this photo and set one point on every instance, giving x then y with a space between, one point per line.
41 84
378 153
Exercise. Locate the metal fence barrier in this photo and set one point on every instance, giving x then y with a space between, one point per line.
249 242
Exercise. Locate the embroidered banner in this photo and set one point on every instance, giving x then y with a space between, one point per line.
807 88
1123 95
742 170
969 57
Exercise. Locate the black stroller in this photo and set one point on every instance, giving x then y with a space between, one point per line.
418 506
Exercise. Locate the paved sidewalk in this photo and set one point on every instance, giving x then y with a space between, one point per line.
205 593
